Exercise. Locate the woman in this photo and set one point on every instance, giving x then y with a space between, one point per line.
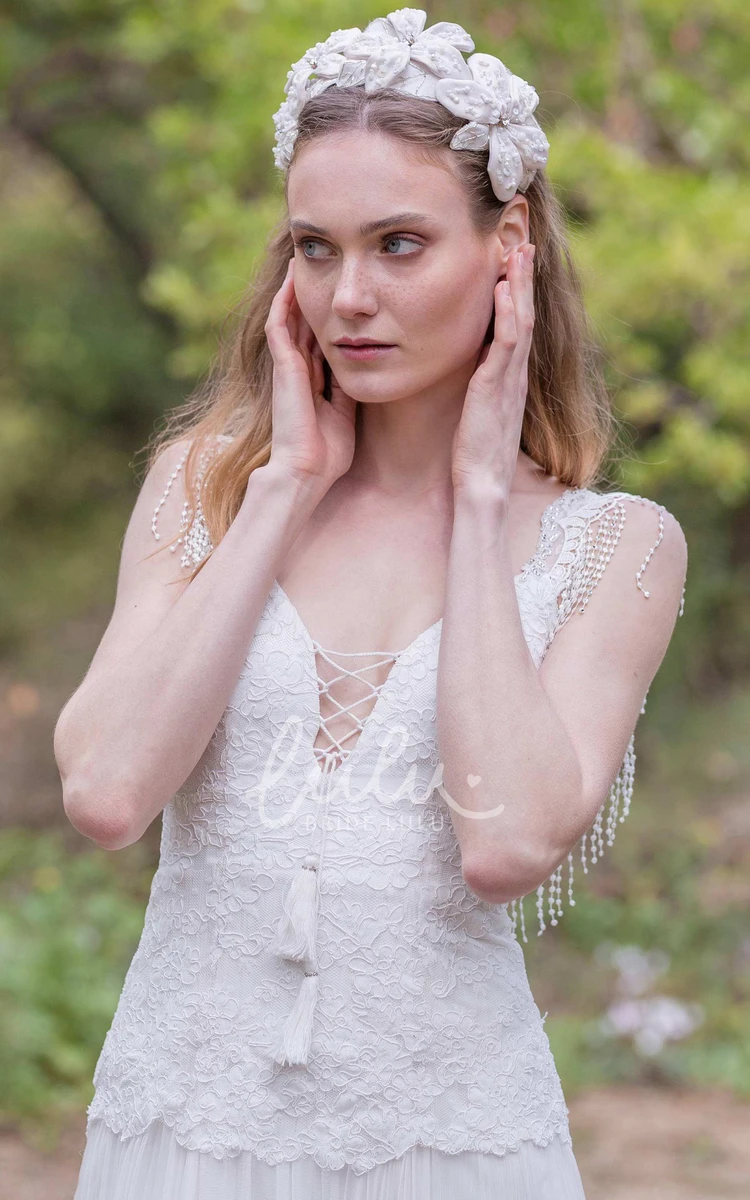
329 999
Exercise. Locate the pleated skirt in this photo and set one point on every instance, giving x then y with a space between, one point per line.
153 1166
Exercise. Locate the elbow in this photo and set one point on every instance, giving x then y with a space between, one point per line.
101 810
507 878
109 823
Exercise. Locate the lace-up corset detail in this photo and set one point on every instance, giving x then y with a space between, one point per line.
345 712
314 976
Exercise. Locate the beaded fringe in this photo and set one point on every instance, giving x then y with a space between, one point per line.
600 536
193 533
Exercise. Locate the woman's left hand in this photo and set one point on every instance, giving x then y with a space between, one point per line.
488 435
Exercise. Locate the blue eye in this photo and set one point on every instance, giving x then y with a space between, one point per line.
309 242
396 237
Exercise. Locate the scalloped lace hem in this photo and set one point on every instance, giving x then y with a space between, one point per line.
153 1166
359 1163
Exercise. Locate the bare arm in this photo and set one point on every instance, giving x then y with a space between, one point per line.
546 743
166 667
170 657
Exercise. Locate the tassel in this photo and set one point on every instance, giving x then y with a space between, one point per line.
295 935
293 1047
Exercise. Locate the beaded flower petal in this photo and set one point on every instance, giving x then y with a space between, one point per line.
398 52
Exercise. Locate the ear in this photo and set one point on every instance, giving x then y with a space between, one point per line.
512 230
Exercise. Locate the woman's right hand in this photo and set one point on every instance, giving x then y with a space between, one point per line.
312 438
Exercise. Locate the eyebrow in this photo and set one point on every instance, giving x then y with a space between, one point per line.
404 218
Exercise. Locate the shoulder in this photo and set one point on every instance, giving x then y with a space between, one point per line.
624 548
163 489
621 591
168 472
647 523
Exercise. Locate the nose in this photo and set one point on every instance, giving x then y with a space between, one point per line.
354 293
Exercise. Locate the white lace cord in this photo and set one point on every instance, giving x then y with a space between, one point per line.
586 571
295 935
293 1046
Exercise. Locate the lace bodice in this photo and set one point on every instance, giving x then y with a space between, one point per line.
314 976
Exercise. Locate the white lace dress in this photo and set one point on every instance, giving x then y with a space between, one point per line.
319 1008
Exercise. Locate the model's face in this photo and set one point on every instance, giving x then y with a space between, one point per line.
421 282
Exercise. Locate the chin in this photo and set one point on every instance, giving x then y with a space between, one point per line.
380 387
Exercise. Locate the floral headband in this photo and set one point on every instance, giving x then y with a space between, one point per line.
398 52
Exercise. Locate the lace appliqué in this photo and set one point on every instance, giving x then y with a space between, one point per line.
592 535
193 535
424 1030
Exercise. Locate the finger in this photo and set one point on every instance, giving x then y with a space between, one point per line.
522 293
502 347
276 327
520 284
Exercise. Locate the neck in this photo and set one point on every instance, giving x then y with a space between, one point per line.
403 446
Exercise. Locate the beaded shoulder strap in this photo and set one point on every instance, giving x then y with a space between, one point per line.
593 523
193 536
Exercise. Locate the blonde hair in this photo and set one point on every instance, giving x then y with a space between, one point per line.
568 427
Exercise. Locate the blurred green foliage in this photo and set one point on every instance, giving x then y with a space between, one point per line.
137 188
69 924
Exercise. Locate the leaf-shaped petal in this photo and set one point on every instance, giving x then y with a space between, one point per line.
386 65
467 99
455 34
381 27
408 22
336 42
440 57
329 66
352 73
371 40
319 85
504 168
523 100
491 73
533 147
472 136
299 70
414 81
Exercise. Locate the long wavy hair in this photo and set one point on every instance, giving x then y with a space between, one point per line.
568 427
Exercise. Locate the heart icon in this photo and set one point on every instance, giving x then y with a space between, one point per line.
473 780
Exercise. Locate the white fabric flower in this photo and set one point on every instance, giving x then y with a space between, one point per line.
498 107
398 52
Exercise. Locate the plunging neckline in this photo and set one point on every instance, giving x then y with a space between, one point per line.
398 655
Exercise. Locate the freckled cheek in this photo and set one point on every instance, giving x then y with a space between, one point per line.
315 304
443 311
448 315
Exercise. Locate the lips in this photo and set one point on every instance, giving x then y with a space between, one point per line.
358 343
364 351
